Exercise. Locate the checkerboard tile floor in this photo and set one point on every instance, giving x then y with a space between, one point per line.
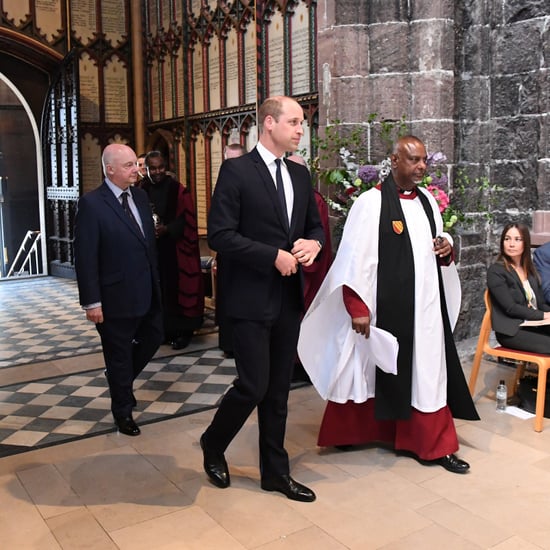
41 320
57 410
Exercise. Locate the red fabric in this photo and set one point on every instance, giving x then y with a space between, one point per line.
190 279
428 435
315 273
353 303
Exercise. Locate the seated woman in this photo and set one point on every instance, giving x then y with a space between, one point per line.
516 294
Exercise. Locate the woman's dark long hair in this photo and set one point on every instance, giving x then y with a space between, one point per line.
526 260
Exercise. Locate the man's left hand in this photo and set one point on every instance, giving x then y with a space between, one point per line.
442 247
305 251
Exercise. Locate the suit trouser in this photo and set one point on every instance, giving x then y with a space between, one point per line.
128 345
533 339
264 357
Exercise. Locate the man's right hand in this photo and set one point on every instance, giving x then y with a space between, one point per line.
286 263
361 325
95 315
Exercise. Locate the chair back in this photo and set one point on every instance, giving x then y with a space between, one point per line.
486 327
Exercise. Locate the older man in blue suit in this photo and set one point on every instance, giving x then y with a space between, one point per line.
117 275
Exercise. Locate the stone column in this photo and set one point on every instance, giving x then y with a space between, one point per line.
394 58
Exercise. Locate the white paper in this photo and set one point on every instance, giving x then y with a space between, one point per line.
540 323
519 413
383 347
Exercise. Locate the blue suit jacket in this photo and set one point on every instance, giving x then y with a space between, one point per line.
247 227
115 264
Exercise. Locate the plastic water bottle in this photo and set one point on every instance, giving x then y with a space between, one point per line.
502 396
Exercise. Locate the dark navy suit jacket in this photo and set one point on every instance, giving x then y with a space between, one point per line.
115 263
247 227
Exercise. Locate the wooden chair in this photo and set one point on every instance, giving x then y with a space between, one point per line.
524 357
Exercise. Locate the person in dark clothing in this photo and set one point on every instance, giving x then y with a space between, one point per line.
182 283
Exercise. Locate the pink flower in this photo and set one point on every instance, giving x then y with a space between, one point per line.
440 196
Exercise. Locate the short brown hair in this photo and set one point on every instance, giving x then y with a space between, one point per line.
272 106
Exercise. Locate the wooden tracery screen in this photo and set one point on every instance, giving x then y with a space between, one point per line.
210 62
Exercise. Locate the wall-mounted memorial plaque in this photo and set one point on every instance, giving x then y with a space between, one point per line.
232 68
113 20
115 79
89 89
250 60
301 61
168 87
155 92
16 10
276 52
216 157
196 7
252 138
48 17
180 89
198 80
92 172
182 160
166 16
84 19
214 73
200 164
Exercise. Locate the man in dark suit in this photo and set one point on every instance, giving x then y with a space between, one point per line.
265 236
117 275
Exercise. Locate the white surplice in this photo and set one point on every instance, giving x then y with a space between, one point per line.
339 361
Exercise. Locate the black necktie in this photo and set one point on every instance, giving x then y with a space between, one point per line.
128 210
281 190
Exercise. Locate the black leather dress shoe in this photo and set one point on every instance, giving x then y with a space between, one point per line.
290 488
453 464
127 426
215 466
181 342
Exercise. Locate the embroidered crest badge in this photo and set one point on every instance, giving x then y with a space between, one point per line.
397 226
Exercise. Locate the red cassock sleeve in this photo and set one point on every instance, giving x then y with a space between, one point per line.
353 303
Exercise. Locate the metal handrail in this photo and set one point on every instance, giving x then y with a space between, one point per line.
31 258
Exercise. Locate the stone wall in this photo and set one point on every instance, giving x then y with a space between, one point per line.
471 78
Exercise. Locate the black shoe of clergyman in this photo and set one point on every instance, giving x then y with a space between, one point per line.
290 488
127 426
181 342
453 464
215 466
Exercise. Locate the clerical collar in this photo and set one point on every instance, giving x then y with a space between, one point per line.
407 194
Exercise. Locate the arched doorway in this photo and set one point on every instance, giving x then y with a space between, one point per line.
22 221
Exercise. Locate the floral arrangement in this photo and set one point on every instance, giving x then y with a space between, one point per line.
353 179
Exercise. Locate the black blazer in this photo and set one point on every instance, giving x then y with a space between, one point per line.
115 264
246 226
509 302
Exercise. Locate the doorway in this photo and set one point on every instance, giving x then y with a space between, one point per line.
22 220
